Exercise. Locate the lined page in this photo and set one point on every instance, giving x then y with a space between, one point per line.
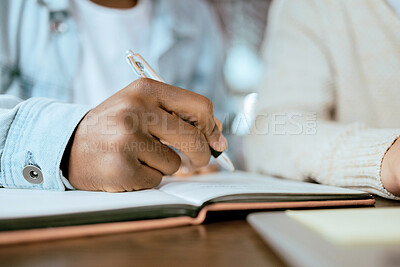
203 188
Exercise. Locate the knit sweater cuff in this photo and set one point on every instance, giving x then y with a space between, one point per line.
354 159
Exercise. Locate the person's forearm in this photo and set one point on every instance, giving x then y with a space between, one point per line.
342 155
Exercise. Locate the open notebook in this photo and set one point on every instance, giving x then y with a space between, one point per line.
32 215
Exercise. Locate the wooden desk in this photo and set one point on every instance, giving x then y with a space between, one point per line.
225 240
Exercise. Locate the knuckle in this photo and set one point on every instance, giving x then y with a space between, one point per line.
208 106
142 86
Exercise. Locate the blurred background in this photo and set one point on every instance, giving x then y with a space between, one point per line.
243 23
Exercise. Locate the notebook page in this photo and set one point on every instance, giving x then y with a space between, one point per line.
199 189
23 203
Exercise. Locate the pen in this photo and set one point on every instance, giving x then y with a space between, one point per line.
144 70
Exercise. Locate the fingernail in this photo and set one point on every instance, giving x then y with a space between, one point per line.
221 144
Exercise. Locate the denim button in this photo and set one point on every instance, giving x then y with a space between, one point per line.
33 174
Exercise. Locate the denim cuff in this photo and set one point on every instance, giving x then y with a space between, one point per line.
38 137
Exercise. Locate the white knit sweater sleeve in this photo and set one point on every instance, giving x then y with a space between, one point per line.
294 135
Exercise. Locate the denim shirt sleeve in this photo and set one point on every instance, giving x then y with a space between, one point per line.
35 132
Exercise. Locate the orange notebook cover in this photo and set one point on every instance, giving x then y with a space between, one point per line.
33 215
